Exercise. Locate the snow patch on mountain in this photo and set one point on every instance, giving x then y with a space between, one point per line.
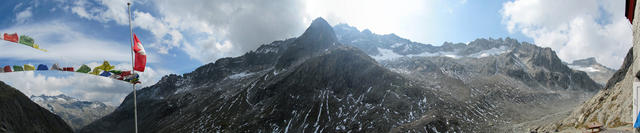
395 45
490 52
582 68
388 54
240 75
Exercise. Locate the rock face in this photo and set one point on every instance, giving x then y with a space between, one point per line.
598 72
18 114
342 80
610 107
76 113
506 82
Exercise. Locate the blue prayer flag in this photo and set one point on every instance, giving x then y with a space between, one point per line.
42 67
105 74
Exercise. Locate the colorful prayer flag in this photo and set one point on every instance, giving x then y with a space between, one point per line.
84 69
105 74
68 69
17 68
124 75
56 67
26 40
7 68
42 67
36 46
131 76
28 67
117 72
141 55
104 67
11 37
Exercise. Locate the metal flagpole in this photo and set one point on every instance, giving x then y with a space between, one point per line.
133 85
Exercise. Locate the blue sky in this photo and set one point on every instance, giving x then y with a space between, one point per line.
180 36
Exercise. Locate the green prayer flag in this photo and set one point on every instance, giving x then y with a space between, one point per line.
26 40
17 68
84 69
116 72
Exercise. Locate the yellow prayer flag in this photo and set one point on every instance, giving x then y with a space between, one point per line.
28 67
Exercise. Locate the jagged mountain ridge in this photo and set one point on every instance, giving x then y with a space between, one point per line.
506 80
326 87
74 112
19 114
595 70
523 61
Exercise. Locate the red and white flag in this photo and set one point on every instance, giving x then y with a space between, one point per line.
141 55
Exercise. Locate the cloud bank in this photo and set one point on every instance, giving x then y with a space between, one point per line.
575 29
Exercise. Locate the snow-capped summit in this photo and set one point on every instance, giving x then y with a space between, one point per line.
74 112
595 70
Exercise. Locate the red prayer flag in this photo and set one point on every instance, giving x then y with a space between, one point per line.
141 55
124 74
11 37
7 68
68 69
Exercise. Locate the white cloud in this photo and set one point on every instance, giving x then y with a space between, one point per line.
229 28
171 37
22 16
81 86
102 10
575 29
223 28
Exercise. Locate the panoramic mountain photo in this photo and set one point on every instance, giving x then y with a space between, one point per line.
296 66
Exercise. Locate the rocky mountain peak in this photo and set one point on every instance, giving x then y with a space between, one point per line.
585 62
317 38
319 32
595 70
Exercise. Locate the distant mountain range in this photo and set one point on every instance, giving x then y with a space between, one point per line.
340 79
18 114
74 112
